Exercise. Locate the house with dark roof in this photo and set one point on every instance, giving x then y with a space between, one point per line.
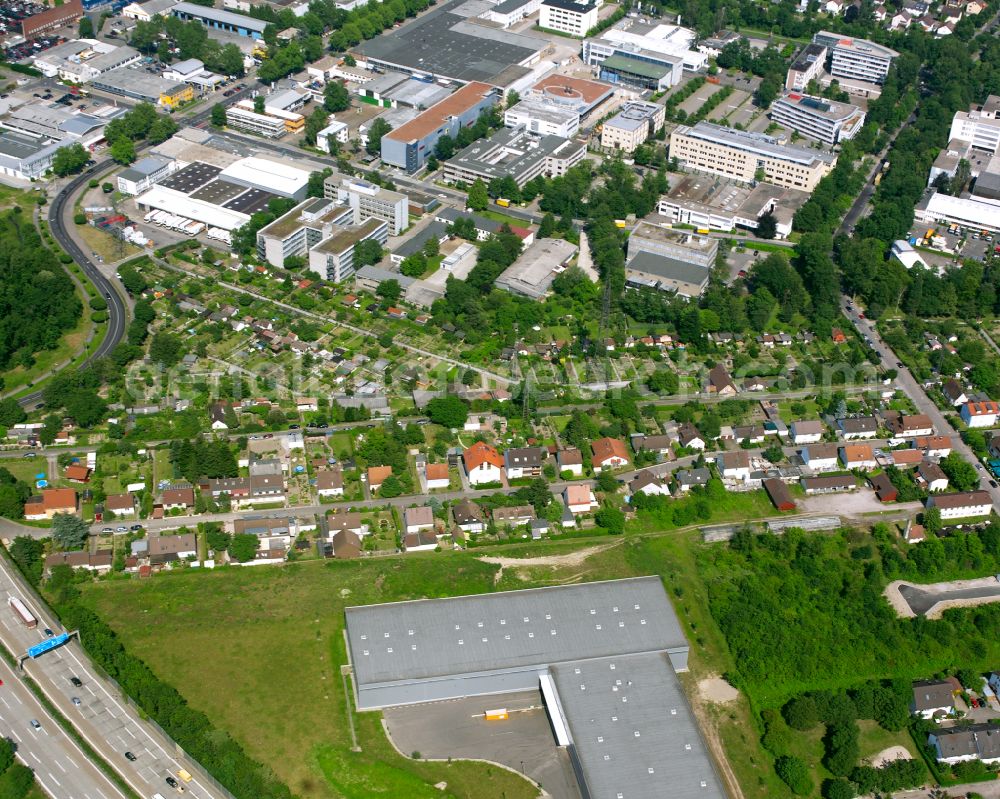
523 462
468 516
779 494
883 488
933 698
689 437
854 427
974 742
570 460
649 484
687 479
720 382
513 515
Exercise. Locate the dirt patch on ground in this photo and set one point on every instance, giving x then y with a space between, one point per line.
708 720
717 691
555 561
890 754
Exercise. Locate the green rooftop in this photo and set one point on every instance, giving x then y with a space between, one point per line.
624 63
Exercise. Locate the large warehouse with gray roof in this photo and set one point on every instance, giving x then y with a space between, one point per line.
603 654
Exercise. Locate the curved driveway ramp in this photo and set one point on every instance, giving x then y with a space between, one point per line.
932 600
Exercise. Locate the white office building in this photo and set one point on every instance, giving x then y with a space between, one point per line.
144 173
818 118
510 12
333 258
980 127
301 229
334 132
543 116
368 201
574 17
807 66
648 42
858 59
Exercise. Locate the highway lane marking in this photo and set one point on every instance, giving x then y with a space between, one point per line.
37 760
74 765
48 790
12 732
5 702
131 733
53 776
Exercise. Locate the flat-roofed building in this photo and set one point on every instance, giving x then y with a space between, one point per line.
333 258
632 126
544 117
27 156
825 120
604 655
81 60
859 59
272 124
661 272
707 201
656 43
684 245
580 94
971 212
220 19
57 122
409 145
980 126
136 85
531 275
573 17
276 177
635 72
144 173
301 229
514 153
807 66
367 200
334 132
510 12
741 154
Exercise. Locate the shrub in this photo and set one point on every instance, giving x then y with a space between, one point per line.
80 219
795 774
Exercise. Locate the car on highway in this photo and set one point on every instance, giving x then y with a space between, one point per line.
107 530
993 484
76 681
49 632
36 724
122 529
129 756
76 701
30 455
135 527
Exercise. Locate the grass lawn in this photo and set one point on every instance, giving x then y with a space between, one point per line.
106 245
26 468
496 216
296 629
874 739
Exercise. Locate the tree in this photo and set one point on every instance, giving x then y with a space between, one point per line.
449 411
663 381
336 97
414 265
607 482
11 412
795 774
389 290
243 547
801 713
367 251
547 227
315 187
478 200
373 144
315 122
165 348
838 789
123 151
69 531
349 61
219 115
16 782
767 226
86 29
6 754
107 187
961 474
391 487
162 129
69 160
611 519
258 104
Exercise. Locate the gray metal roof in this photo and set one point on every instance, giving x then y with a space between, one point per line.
633 732
515 629
219 15
668 268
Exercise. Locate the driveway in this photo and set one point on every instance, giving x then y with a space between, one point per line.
457 729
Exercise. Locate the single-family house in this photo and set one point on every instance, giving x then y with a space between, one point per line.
121 505
609 453
234 487
523 462
579 499
980 414
165 548
659 445
931 478
857 456
513 515
689 437
539 527
346 544
436 476
273 534
954 392
855 427
99 562
177 498
779 494
911 425
345 520
378 475
820 457
933 698
330 483
420 542
482 464
806 431
961 505
751 434
687 479
217 413
933 446
734 465
906 458
77 472
649 484
468 516
570 460
306 404
974 742
418 518
721 382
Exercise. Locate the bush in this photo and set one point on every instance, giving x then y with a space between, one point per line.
838 789
801 713
99 316
795 774
79 219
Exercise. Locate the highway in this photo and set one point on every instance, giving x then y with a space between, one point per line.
60 766
107 724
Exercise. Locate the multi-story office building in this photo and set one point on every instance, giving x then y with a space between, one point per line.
807 66
631 126
510 12
683 245
543 116
144 173
333 258
858 59
301 229
824 120
409 145
980 127
644 46
272 124
368 201
746 156
574 17
515 153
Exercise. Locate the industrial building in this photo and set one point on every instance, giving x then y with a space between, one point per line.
581 95
510 12
367 201
82 60
144 12
514 153
144 173
409 145
572 17
141 86
193 72
301 229
276 177
547 117
742 155
685 245
37 25
707 201
857 59
604 656
220 19
671 260
272 124
818 118
632 126
807 66
395 89
980 126
58 122
971 212
27 156
531 275
333 258
646 55
446 42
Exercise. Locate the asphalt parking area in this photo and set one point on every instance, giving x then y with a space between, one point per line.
922 600
457 729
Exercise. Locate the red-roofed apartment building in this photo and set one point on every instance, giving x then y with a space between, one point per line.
980 414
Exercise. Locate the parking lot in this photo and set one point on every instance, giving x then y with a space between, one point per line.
458 729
